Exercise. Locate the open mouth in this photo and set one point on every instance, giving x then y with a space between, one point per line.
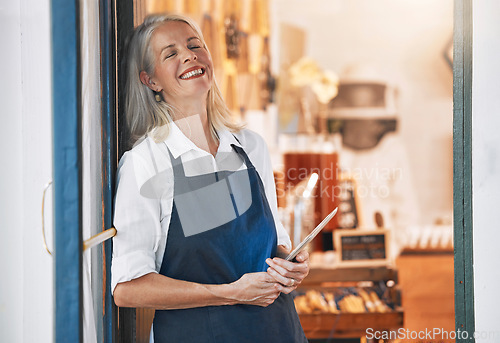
193 74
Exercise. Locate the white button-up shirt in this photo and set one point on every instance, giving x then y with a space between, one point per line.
145 190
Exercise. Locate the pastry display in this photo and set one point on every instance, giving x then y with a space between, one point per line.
348 300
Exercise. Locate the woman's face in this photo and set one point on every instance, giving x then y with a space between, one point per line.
183 67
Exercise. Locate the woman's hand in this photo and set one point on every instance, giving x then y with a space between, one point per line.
256 289
287 273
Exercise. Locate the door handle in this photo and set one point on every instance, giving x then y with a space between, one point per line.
88 243
43 217
99 238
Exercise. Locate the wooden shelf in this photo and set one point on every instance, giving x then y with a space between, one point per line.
343 325
428 251
322 275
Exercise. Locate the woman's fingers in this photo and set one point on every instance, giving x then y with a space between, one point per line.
289 269
289 274
265 279
286 268
270 287
285 281
302 256
257 289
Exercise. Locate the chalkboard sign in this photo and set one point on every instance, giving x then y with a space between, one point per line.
362 247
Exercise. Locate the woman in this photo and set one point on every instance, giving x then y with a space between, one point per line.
197 236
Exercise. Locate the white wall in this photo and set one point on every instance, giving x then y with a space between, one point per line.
26 289
11 185
486 166
405 40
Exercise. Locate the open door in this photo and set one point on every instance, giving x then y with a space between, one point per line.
85 160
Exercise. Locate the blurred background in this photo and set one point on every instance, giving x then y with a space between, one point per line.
354 99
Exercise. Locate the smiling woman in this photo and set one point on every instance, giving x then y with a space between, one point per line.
182 74
183 68
198 236
160 51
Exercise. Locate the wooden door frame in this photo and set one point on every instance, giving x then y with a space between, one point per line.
116 22
462 168
109 158
67 152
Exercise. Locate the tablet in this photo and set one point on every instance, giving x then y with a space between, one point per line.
313 234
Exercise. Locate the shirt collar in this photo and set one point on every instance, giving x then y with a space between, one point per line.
226 139
179 144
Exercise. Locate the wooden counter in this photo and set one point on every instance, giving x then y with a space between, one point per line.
427 284
345 324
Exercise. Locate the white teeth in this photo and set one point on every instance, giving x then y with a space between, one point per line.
192 73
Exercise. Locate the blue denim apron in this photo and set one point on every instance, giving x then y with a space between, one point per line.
222 255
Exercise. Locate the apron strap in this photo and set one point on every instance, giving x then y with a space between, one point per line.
243 154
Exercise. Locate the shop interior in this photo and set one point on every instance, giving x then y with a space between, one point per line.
354 99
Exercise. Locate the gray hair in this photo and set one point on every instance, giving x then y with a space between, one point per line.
142 112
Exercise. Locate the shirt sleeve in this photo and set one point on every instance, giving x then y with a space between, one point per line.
137 222
265 169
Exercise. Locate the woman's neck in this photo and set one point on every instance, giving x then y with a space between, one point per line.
195 126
